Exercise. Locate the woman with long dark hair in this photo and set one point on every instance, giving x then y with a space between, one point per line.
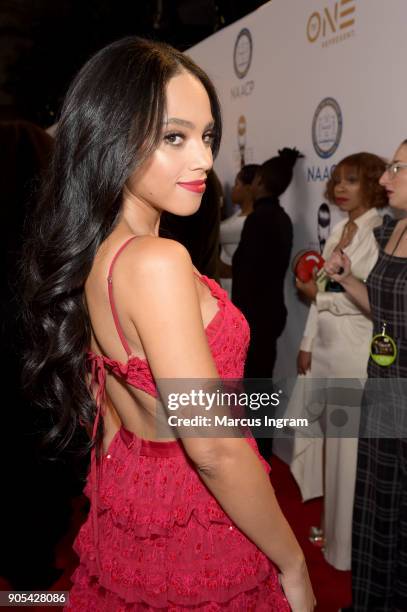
172 525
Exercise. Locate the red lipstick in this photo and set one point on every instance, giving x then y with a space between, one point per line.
195 186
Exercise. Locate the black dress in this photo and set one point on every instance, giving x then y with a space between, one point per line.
379 545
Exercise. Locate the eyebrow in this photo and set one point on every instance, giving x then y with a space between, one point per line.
187 124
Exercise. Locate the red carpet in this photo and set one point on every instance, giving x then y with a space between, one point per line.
332 587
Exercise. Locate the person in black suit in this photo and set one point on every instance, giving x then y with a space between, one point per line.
259 267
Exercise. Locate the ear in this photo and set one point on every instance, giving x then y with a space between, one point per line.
247 188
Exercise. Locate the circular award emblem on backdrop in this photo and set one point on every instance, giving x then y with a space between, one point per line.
327 127
242 53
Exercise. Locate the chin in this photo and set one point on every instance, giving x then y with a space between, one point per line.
187 211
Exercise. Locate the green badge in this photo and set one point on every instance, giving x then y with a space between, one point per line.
383 349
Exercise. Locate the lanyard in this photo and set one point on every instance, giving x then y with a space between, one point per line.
383 348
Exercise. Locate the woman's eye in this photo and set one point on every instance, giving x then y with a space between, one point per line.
174 138
209 137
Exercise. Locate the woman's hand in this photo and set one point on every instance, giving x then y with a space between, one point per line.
338 266
303 362
308 289
297 588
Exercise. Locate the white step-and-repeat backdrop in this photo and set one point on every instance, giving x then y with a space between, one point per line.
326 76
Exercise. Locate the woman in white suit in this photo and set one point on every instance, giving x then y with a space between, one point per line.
335 345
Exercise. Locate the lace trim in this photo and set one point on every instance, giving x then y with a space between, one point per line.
156 583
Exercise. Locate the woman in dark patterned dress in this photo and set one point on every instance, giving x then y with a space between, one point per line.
379 556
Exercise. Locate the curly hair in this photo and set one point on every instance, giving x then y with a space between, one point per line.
111 122
277 172
368 168
247 173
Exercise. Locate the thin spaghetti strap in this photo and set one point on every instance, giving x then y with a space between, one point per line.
198 275
111 298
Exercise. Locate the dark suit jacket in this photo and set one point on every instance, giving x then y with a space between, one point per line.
260 264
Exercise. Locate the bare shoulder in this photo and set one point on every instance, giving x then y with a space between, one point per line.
156 258
155 270
159 290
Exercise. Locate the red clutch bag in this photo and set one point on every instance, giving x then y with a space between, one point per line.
304 263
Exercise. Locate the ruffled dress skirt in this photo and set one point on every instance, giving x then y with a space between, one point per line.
163 541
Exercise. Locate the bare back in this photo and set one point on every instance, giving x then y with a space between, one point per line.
124 404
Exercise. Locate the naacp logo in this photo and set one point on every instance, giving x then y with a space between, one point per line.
242 53
327 127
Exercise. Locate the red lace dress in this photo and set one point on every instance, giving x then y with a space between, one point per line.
156 538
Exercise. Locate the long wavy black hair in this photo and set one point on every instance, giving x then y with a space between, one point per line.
110 123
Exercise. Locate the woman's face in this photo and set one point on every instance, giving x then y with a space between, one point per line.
394 180
173 178
347 191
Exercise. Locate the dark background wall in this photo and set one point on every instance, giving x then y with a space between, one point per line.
44 42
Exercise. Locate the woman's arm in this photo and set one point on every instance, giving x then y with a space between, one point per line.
164 306
356 289
304 357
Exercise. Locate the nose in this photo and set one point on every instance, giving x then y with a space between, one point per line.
384 179
201 156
